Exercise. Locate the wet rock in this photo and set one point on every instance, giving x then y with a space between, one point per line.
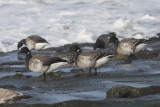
60 72
54 75
77 71
25 88
146 55
17 75
140 55
132 92
119 57
155 39
8 86
8 96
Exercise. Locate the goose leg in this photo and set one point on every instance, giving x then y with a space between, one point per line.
128 60
90 72
44 76
95 74
133 56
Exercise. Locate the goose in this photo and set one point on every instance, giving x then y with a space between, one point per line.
104 40
41 63
33 42
130 46
90 59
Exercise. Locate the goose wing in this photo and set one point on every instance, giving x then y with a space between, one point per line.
37 39
69 57
134 42
93 54
46 60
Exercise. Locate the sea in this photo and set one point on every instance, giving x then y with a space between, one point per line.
63 22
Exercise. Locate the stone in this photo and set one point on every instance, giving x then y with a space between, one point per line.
25 88
123 91
7 96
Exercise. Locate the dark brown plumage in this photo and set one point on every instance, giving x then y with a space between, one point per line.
104 40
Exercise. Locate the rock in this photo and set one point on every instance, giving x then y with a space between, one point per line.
119 57
17 75
77 71
25 88
132 92
140 55
8 86
54 75
7 96
146 54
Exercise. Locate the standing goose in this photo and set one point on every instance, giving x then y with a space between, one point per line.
90 59
41 63
104 40
130 46
33 42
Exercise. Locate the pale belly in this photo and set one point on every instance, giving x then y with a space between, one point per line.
140 47
85 62
39 46
56 65
36 66
125 49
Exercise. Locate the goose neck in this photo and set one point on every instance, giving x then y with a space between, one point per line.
28 57
116 45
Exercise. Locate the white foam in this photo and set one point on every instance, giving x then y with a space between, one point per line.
138 36
84 35
148 17
121 23
61 21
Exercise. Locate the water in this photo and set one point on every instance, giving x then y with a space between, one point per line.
62 21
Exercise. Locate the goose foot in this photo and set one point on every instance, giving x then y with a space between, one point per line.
44 76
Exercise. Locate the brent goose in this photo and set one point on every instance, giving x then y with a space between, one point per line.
41 63
104 40
130 46
90 59
33 42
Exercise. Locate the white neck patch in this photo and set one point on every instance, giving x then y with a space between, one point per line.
22 47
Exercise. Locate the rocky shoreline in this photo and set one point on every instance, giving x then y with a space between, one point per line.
74 84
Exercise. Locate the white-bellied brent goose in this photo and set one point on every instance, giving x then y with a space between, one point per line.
33 42
130 46
41 63
90 59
